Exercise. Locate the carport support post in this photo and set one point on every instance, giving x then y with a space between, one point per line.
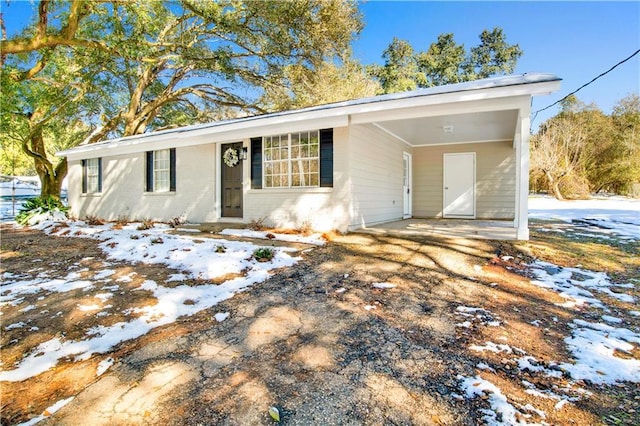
521 142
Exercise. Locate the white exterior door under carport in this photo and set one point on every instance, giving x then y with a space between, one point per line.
459 181
407 178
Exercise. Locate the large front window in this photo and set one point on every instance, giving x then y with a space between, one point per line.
291 160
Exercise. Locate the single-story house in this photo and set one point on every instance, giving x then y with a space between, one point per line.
454 151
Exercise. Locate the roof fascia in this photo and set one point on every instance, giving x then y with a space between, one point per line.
233 132
335 116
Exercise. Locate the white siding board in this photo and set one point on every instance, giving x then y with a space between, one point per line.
376 175
495 179
123 188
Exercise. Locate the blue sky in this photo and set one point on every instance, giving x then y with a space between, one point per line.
574 40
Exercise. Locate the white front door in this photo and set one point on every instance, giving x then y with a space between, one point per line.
406 185
459 185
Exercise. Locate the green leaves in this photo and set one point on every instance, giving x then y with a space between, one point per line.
41 205
112 68
445 62
274 413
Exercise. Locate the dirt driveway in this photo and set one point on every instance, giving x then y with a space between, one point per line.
365 330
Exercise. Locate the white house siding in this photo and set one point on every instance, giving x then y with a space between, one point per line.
322 209
376 171
495 179
123 188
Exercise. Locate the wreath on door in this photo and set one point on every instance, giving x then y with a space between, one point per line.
230 157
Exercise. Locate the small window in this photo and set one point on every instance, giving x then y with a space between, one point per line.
161 170
291 160
92 176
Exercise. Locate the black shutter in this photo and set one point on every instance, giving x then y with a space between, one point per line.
84 176
256 163
149 168
172 170
326 158
99 174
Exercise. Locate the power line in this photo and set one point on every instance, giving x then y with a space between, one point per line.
535 114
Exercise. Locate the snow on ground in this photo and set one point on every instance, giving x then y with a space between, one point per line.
195 258
48 412
593 345
608 215
502 412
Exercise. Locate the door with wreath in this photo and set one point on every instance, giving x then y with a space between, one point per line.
231 180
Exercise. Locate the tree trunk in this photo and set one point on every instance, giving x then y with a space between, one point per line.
554 186
51 183
51 176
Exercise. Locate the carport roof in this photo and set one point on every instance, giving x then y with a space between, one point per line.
528 84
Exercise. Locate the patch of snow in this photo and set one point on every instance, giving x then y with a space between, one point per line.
383 285
28 308
341 290
593 346
126 278
483 366
221 316
467 309
14 326
103 274
502 412
104 365
575 284
618 215
197 258
176 277
103 296
492 347
612 320
48 412
528 362
369 307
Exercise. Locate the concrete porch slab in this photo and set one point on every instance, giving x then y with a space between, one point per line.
447 228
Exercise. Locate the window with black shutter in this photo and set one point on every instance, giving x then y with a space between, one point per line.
326 158
160 169
256 163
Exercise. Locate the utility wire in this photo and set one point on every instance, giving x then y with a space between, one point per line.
535 114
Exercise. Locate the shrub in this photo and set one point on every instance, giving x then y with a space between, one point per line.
263 254
257 224
146 224
122 220
93 221
38 209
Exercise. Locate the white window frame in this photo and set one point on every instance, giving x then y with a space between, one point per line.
92 175
161 171
288 162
